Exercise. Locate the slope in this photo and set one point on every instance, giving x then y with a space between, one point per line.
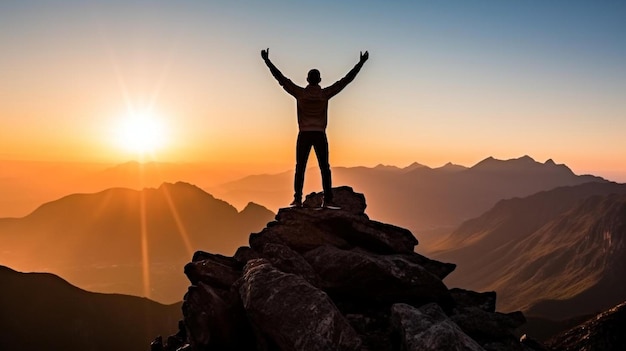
41 311
127 241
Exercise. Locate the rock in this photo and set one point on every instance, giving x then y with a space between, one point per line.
486 301
322 279
212 272
302 233
385 278
289 261
245 254
221 259
215 320
343 196
486 327
292 313
157 344
305 229
439 269
428 328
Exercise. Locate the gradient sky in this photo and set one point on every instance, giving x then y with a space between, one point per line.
446 81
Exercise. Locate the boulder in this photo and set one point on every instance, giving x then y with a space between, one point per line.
429 329
212 272
383 278
343 196
303 233
289 261
305 229
215 320
486 301
291 312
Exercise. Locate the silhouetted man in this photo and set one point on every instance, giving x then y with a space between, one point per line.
312 119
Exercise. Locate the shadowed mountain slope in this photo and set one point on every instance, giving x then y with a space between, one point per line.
418 197
556 254
41 311
103 241
604 332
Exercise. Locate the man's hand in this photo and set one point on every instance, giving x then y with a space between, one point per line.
265 54
363 56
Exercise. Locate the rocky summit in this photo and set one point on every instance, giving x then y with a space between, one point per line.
325 279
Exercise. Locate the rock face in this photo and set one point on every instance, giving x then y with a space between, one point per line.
323 279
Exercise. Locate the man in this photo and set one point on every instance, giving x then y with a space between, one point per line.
312 107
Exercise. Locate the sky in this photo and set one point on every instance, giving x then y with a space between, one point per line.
447 81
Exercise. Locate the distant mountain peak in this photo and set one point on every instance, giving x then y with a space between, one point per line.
549 162
413 166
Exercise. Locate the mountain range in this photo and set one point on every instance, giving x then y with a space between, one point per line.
41 311
556 254
418 197
103 241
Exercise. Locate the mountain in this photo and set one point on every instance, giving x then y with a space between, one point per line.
604 332
417 197
556 254
25 185
334 280
41 311
104 241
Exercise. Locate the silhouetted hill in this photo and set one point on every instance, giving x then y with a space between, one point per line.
418 197
41 311
556 254
100 241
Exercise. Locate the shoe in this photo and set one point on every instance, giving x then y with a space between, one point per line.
330 204
296 203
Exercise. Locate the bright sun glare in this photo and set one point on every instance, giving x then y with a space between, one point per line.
141 133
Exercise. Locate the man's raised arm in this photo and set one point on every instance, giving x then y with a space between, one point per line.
340 84
282 80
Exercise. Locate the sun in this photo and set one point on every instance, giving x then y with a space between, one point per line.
141 133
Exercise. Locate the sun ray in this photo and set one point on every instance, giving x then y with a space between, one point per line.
179 223
145 254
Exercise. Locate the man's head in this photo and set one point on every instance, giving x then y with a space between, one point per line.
314 77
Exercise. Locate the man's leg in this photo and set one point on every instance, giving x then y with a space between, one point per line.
303 148
321 151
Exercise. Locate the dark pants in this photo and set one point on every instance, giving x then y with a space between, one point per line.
318 141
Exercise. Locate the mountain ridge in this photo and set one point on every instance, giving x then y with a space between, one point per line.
161 225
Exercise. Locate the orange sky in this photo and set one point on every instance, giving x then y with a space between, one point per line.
443 83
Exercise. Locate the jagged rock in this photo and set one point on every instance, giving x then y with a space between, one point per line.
291 312
486 327
374 329
322 279
428 328
343 196
386 278
215 320
289 261
245 254
212 272
439 269
221 259
486 301
305 229
157 344
302 233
